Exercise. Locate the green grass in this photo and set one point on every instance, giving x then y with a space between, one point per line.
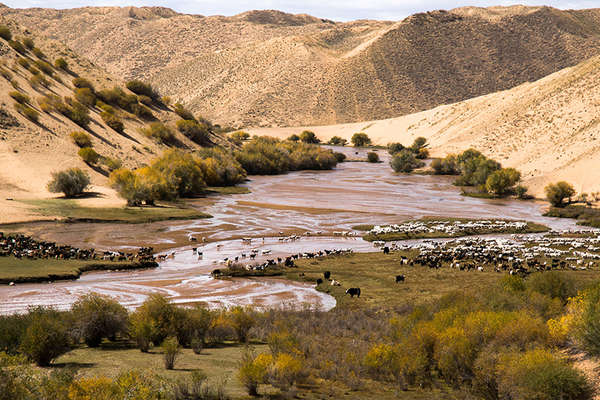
375 274
23 270
70 210
227 190
587 216
531 228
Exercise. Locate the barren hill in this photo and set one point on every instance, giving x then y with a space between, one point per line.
271 68
548 129
30 151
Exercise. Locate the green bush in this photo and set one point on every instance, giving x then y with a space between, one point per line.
78 113
89 155
71 182
111 163
552 283
372 157
405 161
394 148
85 96
502 182
171 351
340 157
29 112
242 320
38 53
81 139
160 132
521 192
239 136
337 141
254 370
193 130
145 100
5 33
19 97
419 147
142 112
39 80
293 138
46 337
45 67
183 112
140 88
309 137
97 317
82 83
153 320
556 193
191 326
23 62
28 42
446 166
61 63
112 121
360 139
17 46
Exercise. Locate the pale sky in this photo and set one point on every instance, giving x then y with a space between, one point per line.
339 10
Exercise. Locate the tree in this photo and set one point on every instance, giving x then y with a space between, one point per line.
97 317
254 370
360 139
394 148
71 182
556 193
309 137
294 138
405 161
195 131
152 322
502 181
46 337
337 141
372 157
242 321
171 351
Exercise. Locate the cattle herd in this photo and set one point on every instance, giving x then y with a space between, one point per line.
25 247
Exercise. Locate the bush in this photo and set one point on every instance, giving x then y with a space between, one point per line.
85 96
142 112
140 88
242 321
97 317
19 97
372 157
111 163
285 371
17 46
61 63
28 42
81 139
552 283
183 112
584 320
46 337
38 53
160 132
309 137
194 131
153 321
360 139
419 147
293 138
394 148
45 67
405 161
239 136
171 351
253 370
88 155
71 182
145 100
502 182
445 166
5 33
29 113
340 157
38 80
81 83
112 121
556 193
337 141
79 114
191 326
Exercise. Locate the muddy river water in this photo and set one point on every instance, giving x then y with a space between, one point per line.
319 202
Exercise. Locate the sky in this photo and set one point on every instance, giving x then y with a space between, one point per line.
338 10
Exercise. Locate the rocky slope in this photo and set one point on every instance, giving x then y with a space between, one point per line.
266 68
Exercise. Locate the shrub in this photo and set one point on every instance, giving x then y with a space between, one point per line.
159 132
240 136
81 139
6 74
360 139
191 326
372 157
394 148
79 114
19 97
145 100
61 63
309 137
405 161
242 321
183 112
23 62
171 351
81 83
419 147
85 96
182 172
97 317
502 181
45 339
253 370
45 67
140 88
474 168
142 112
38 53
111 163
88 155
285 371
540 374
17 46
445 166
28 42
112 121
153 320
143 185
556 193
5 33
29 113
340 157
293 138
337 141
196 132
38 80
584 313
71 182
552 283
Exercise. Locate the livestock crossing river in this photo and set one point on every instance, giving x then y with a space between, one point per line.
320 202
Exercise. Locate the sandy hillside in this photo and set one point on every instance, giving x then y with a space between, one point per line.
30 152
548 129
268 68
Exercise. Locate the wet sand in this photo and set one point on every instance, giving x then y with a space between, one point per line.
309 201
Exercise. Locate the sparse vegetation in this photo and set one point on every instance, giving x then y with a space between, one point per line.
195 131
309 137
30 113
405 161
183 112
19 97
5 33
372 157
556 193
81 139
360 139
89 155
140 88
112 121
17 46
160 132
337 141
85 96
72 182
61 63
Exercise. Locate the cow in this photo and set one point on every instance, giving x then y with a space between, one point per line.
386 250
400 278
353 291
319 281
327 274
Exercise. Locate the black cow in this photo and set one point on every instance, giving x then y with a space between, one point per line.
353 291
400 278
327 274
386 250
319 281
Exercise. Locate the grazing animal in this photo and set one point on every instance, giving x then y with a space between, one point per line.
192 239
353 291
335 283
327 274
319 281
386 250
216 272
400 278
